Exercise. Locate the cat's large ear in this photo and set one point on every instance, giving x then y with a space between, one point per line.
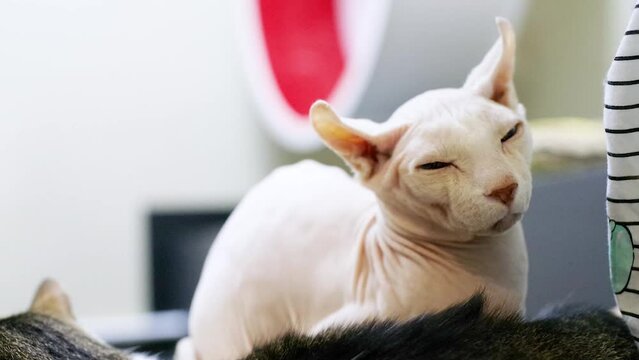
52 301
363 144
493 77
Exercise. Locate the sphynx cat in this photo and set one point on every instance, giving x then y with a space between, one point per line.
430 218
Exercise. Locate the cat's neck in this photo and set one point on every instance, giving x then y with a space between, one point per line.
430 241
389 252
392 224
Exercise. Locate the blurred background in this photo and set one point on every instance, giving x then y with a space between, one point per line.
119 117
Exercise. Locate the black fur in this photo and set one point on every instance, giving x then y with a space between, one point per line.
466 332
31 336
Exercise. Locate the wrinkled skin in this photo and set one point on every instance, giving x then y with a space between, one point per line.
430 218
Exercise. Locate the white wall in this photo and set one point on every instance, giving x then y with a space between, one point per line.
108 109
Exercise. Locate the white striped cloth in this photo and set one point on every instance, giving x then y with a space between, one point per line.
621 120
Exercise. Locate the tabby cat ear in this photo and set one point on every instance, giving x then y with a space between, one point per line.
493 77
52 301
363 144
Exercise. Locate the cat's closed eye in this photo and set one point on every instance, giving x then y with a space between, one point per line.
510 134
434 165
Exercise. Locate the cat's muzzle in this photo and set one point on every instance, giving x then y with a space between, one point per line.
506 222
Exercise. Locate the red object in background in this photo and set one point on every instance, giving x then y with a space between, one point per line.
297 51
304 49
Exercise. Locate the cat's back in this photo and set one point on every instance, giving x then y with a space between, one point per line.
282 259
308 181
302 198
300 223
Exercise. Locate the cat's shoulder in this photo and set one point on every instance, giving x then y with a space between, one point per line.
308 182
309 174
309 167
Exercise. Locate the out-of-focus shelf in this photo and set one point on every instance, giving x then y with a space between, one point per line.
155 332
567 144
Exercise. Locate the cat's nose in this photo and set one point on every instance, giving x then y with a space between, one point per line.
505 194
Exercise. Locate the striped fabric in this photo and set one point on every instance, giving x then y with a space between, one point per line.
621 120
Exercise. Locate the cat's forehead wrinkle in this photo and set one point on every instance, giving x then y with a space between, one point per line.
422 148
455 137
436 136
448 106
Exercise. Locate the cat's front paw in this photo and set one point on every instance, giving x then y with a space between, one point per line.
184 350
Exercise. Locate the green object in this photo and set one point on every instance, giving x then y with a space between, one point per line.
621 256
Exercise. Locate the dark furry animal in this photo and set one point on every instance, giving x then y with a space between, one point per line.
32 336
48 331
466 332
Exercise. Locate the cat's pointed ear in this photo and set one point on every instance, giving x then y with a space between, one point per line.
52 301
363 144
493 77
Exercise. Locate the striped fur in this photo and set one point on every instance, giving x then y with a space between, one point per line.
34 336
48 331
465 332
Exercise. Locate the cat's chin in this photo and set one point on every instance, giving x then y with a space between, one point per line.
505 223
